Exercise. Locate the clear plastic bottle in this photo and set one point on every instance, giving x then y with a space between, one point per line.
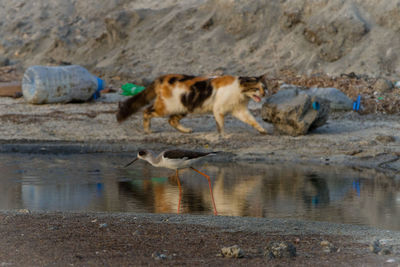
60 84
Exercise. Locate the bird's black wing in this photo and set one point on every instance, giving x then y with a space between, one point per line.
180 154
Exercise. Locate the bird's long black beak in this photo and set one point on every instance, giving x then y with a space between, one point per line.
131 162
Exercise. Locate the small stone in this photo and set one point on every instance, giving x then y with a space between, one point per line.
375 247
385 139
328 247
103 225
4 61
158 256
383 86
232 252
280 250
385 251
25 211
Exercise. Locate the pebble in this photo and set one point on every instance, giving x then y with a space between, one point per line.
380 247
25 211
328 247
280 250
232 252
158 256
103 225
385 139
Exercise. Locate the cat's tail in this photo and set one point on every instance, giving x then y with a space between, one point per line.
136 102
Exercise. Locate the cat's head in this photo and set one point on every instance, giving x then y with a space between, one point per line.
253 87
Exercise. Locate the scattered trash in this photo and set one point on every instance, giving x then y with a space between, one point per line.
280 250
357 103
337 99
11 89
397 84
232 252
130 89
315 105
61 84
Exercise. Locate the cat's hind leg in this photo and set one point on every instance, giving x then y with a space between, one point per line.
148 114
174 122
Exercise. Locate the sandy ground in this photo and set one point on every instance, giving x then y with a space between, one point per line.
96 239
348 138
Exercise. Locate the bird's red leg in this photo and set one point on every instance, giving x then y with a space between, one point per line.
209 184
180 190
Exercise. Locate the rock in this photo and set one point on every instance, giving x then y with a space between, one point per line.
280 250
158 256
338 100
4 61
385 139
380 247
328 247
103 225
293 113
383 86
232 252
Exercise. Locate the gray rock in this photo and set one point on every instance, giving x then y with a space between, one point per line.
280 250
338 100
232 252
385 139
383 86
379 247
293 113
4 61
328 247
158 256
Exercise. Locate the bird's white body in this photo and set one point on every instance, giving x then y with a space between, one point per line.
175 163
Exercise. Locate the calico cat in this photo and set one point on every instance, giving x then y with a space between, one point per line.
176 95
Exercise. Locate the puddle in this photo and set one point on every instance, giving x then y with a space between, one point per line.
98 182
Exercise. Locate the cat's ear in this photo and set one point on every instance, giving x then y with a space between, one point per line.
262 78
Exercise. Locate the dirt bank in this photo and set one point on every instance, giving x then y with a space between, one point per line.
142 39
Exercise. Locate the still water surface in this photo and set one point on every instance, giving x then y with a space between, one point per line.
98 182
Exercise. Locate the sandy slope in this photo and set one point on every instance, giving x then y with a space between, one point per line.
141 39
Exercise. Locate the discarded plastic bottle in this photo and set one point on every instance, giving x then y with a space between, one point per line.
60 84
130 89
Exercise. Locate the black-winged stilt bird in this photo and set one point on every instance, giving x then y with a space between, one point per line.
176 159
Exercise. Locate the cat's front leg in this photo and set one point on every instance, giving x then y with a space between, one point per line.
245 116
219 119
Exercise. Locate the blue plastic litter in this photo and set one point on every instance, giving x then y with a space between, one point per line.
357 103
100 86
315 105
